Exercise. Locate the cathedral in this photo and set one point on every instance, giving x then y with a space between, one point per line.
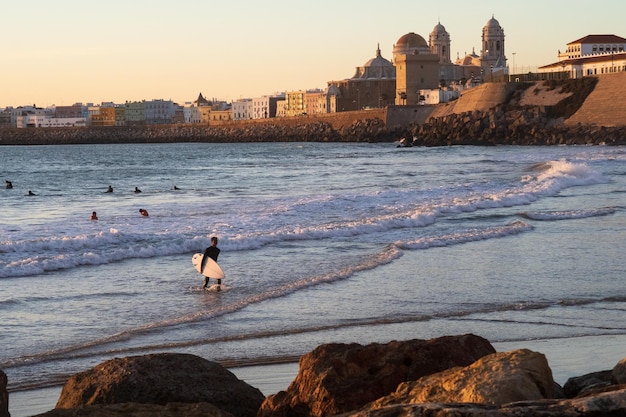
420 65
417 65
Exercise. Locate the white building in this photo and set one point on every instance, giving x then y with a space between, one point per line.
436 96
590 55
265 107
243 109
44 120
192 114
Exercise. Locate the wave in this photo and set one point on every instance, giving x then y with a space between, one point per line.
79 350
567 214
392 252
465 236
251 225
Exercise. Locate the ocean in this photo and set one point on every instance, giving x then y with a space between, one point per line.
320 242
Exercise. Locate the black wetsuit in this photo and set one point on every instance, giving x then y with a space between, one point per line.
212 252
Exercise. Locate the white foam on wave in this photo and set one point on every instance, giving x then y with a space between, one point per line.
555 176
568 214
254 224
465 236
365 263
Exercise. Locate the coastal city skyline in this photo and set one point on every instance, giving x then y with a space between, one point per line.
69 52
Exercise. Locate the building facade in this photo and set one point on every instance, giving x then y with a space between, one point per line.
372 85
417 68
264 107
590 55
242 109
107 116
493 58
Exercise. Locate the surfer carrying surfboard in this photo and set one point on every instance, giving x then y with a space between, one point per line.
212 252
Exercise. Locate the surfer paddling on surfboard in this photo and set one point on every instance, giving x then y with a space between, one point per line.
212 252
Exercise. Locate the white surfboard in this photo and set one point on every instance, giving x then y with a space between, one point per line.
211 268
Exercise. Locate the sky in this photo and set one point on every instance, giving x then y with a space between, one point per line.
67 51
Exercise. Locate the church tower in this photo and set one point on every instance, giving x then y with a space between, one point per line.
417 68
439 42
492 54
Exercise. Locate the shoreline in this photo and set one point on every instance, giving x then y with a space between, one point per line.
570 357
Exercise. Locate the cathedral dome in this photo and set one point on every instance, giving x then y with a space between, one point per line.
493 23
439 29
378 61
376 68
411 40
410 44
469 60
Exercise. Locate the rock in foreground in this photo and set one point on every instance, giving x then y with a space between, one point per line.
609 404
496 379
337 378
4 395
161 379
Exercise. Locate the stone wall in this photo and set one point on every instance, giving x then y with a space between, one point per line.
606 105
494 113
531 126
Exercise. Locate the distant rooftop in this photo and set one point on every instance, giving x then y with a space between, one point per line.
599 39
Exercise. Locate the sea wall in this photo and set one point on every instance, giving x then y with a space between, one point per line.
527 127
587 111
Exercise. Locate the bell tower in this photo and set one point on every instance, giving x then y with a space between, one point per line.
439 43
492 55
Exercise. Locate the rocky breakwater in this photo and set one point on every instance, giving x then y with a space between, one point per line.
432 381
503 126
452 376
361 130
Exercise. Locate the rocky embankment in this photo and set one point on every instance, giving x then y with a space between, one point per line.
452 376
308 131
574 112
502 126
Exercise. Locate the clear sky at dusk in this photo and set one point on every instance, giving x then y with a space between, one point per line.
66 51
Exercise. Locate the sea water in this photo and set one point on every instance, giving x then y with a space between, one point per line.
320 242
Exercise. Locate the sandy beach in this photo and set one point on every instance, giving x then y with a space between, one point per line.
567 358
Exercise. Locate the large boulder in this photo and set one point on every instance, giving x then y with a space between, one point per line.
609 404
4 395
161 379
581 385
496 379
619 372
336 378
